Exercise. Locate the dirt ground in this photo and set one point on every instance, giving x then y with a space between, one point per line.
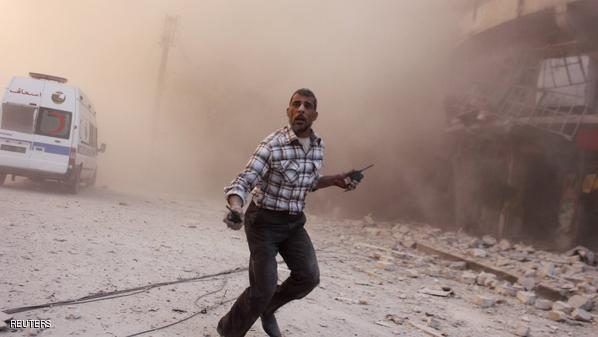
57 247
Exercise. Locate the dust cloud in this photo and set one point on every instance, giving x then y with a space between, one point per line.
377 67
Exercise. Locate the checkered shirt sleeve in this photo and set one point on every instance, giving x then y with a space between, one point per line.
280 173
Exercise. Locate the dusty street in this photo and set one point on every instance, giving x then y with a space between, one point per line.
58 247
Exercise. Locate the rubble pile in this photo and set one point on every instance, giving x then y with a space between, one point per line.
571 278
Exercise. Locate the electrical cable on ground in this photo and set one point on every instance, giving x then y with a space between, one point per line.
202 311
100 296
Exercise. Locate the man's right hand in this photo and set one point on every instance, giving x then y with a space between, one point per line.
234 218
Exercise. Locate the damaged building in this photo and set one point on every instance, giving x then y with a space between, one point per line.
522 117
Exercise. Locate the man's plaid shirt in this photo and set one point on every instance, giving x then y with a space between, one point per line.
279 173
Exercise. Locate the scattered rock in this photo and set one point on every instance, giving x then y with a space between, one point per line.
458 265
477 252
581 301
368 220
433 323
488 241
556 315
483 301
543 304
504 245
506 290
522 330
581 315
526 297
483 278
583 254
562 306
468 277
528 283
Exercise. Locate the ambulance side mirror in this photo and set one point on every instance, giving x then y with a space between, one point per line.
102 148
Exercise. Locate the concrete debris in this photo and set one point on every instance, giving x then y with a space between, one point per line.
485 279
483 301
504 244
584 255
581 315
528 283
526 297
432 323
556 315
562 306
581 302
543 304
506 289
396 319
368 220
477 252
458 265
468 277
426 329
522 330
488 241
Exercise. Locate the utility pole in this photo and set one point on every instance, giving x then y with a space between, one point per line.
166 41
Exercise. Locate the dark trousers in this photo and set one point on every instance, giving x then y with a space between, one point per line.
269 233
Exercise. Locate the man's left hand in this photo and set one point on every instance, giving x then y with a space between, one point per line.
345 181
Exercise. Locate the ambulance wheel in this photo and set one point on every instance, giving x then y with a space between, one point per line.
92 180
2 178
74 184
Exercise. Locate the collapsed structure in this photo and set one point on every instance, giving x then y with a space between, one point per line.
522 116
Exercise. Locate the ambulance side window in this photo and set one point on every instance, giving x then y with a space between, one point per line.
53 123
93 136
84 133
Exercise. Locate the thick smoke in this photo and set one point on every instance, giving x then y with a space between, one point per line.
378 69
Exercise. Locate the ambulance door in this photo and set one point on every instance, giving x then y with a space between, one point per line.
54 129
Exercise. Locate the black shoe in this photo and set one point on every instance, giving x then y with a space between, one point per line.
270 326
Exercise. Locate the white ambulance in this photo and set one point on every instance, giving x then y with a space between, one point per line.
48 131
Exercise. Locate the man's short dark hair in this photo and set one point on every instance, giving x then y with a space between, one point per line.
307 93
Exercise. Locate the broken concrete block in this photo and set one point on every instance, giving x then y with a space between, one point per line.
548 269
483 277
483 301
477 252
522 330
468 277
407 243
581 301
556 315
504 245
562 306
432 323
506 289
458 265
488 241
581 315
528 283
543 304
526 297
385 265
